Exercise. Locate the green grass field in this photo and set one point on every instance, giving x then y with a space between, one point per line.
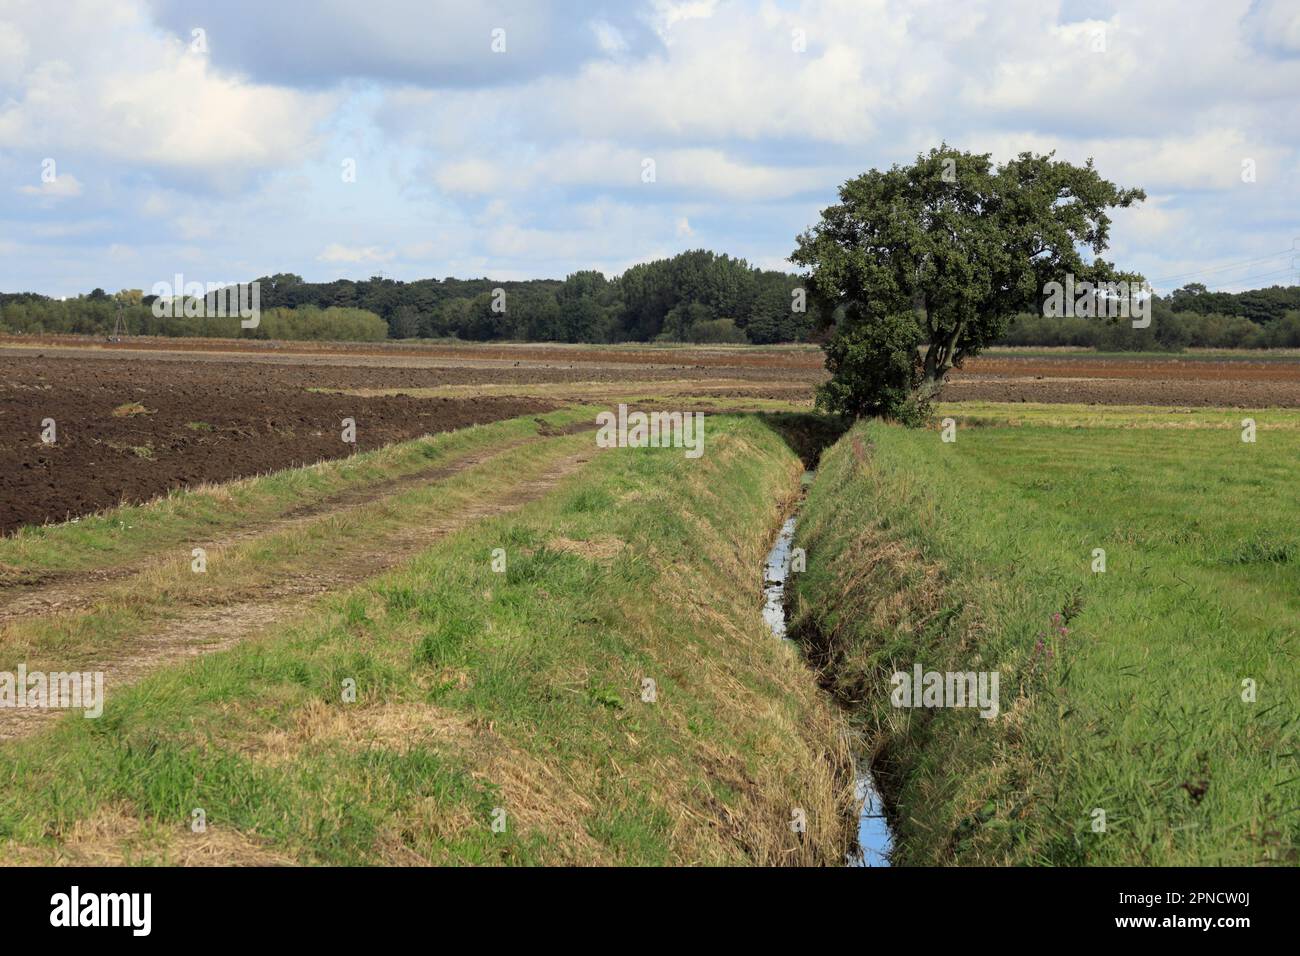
958 556
1071 418
499 716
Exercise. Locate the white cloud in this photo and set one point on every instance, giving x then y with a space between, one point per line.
335 252
67 228
97 79
1209 160
608 37
13 53
666 14
63 186
473 176
1276 24
156 205
531 163
765 90
1152 222
195 227
606 165
421 250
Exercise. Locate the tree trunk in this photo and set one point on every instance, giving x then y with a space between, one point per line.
930 386
937 363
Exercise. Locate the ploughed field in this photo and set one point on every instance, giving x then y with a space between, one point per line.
130 431
137 419
133 423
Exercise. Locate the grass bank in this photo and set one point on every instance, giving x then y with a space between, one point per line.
1160 726
611 696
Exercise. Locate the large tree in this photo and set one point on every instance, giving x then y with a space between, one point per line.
940 255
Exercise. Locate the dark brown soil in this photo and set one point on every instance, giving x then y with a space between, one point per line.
201 422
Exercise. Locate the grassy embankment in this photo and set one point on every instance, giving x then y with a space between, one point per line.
477 691
958 555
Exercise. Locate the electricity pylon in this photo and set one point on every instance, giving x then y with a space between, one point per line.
119 326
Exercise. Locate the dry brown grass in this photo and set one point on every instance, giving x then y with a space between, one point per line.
602 549
117 836
396 727
539 795
130 410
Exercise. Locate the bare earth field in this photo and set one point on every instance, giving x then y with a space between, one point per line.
132 430
142 417
1079 377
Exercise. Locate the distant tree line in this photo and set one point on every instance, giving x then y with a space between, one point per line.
1259 305
96 314
1189 317
696 296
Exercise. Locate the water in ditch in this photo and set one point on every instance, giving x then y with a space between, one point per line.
874 838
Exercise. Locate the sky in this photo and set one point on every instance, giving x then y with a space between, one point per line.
521 139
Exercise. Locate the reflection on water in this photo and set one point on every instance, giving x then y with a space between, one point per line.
774 575
874 840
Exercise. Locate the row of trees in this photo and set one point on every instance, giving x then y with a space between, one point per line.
1259 305
702 297
584 309
97 316
696 296
1169 331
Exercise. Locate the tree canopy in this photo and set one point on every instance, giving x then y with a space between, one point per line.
940 255
695 296
699 286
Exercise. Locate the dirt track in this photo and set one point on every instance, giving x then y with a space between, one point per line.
208 414
207 624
